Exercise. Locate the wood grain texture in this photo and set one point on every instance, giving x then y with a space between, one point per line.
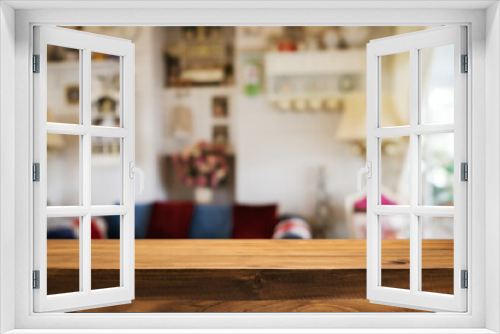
245 254
352 305
250 284
251 275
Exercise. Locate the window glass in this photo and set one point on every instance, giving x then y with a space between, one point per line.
63 84
106 252
395 250
63 255
437 103
106 171
437 254
395 90
437 168
63 169
105 89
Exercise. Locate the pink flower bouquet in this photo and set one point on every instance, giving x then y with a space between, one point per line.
202 165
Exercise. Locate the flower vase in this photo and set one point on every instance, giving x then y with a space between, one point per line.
203 195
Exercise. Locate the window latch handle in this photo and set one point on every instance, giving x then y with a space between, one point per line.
368 171
132 171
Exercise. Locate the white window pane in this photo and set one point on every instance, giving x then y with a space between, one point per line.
395 171
63 170
105 89
63 255
437 254
395 251
437 168
106 171
105 252
63 84
395 90
438 85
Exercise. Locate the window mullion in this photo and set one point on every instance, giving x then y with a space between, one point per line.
433 129
433 211
66 211
414 172
85 164
67 129
108 210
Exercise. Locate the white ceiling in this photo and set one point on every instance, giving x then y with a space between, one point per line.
289 4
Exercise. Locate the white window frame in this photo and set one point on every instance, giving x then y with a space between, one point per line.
86 43
484 46
413 43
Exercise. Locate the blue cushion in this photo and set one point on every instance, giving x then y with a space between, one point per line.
212 221
142 214
61 233
113 226
291 235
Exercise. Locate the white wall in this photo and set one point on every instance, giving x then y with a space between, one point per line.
149 74
279 156
491 165
199 102
7 168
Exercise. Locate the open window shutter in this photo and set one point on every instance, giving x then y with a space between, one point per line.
401 271
84 293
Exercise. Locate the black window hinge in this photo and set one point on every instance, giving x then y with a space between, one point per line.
36 172
36 63
465 279
465 64
36 279
464 171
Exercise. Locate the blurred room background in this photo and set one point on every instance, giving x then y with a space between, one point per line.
244 129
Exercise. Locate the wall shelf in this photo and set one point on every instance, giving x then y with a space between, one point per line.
314 79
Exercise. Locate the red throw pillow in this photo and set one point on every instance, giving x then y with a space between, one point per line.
254 221
170 220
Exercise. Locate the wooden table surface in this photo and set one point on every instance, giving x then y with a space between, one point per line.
250 275
249 254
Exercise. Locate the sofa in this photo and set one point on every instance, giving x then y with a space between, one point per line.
186 219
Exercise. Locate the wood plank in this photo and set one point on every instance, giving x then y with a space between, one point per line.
250 275
257 245
250 284
240 254
323 305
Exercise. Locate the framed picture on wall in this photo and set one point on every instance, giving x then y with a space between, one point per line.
220 135
220 107
72 94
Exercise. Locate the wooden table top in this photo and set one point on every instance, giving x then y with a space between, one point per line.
249 254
